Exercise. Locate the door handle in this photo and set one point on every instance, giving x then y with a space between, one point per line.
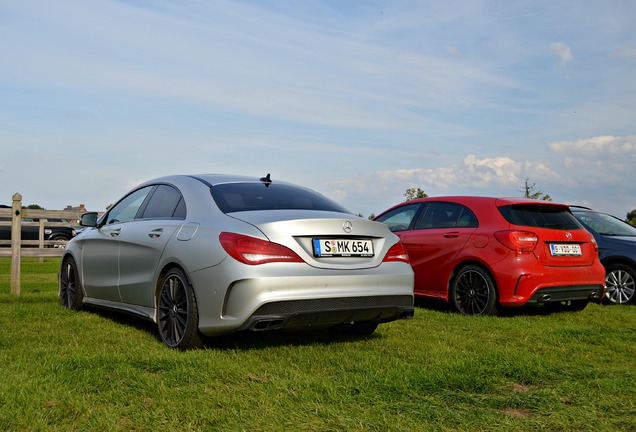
155 233
453 234
115 233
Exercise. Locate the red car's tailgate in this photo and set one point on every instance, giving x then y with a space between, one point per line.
565 248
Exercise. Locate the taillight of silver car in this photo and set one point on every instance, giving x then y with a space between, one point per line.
396 253
255 251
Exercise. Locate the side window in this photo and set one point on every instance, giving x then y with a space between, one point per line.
467 219
126 209
400 219
440 215
165 203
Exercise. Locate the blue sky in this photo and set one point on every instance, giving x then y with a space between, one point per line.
359 100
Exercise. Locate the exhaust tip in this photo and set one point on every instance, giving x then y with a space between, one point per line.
268 324
545 297
406 314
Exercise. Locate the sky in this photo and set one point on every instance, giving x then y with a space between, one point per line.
358 100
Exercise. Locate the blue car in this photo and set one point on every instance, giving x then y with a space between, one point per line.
617 250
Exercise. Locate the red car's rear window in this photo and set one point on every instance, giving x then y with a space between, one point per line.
540 216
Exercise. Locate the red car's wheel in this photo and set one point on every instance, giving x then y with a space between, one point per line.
473 292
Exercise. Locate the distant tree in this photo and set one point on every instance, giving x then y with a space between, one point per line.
34 207
371 216
412 193
631 217
529 192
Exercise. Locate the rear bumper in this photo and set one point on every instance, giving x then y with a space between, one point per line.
326 312
294 296
557 294
535 283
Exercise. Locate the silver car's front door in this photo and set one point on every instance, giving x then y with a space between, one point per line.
101 247
100 268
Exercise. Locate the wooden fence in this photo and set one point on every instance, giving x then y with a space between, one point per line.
32 248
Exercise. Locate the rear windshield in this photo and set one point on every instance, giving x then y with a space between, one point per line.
238 197
540 216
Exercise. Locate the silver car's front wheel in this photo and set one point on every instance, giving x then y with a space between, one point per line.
620 284
178 317
71 293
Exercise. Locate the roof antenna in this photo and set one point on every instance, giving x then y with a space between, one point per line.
267 180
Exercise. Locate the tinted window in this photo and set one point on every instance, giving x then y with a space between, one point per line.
126 209
605 224
445 215
399 219
165 203
540 216
236 197
467 219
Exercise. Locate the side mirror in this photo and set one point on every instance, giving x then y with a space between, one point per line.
88 219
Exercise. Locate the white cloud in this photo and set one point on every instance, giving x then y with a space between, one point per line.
562 51
593 170
474 174
627 53
598 145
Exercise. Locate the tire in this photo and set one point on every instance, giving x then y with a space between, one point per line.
473 292
70 287
567 305
177 313
620 284
358 328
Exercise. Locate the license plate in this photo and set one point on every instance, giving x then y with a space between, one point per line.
565 249
343 248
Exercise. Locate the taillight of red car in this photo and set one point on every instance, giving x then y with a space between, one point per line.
594 244
254 251
519 241
396 253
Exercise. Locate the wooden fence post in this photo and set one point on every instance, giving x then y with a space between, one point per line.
16 236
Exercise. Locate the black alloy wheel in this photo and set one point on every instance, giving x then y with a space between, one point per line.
620 284
70 287
178 316
473 291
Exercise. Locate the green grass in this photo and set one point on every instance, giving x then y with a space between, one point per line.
529 371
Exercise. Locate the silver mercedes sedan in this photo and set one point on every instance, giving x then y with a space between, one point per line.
206 255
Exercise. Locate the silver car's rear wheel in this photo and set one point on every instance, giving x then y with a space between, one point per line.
178 317
71 293
473 292
620 284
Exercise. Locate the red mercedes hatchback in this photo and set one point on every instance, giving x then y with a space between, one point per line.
481 253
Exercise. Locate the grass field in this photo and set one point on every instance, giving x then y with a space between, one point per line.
529 371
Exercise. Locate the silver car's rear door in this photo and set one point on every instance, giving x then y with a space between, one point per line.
142 243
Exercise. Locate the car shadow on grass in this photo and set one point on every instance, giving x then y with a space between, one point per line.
243 340
504 312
